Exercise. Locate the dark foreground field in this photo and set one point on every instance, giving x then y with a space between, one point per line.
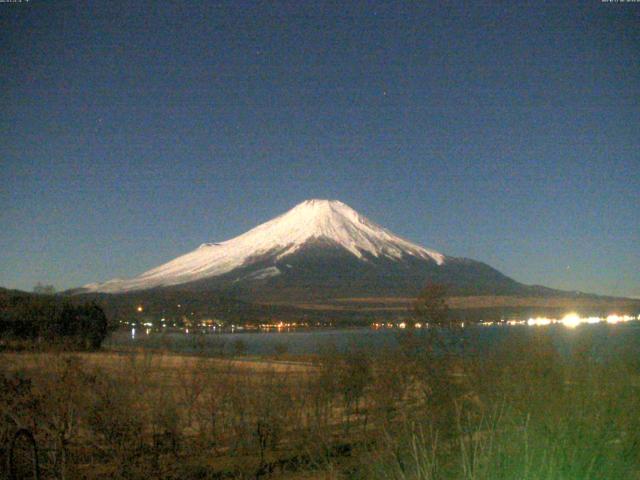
520 411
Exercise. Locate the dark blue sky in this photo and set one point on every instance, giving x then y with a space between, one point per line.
131 132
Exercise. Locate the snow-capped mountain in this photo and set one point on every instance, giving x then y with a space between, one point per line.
318 247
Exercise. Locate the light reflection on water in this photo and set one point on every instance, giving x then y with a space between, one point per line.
606 335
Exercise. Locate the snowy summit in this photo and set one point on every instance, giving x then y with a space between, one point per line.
329 221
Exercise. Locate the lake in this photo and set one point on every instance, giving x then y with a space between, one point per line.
606 337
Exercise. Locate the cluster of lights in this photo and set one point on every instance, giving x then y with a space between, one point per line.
401 325
571 320
281 325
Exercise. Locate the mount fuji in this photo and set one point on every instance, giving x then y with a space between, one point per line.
318 249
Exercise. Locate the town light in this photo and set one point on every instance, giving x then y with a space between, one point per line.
571 320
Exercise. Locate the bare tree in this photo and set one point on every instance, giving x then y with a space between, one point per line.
44 289
431 306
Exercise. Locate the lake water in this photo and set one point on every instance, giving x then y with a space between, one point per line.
605 338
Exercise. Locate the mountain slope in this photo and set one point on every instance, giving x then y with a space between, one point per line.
318 249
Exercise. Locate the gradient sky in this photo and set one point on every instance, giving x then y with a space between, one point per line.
131 132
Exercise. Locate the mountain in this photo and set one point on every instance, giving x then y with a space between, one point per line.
318 249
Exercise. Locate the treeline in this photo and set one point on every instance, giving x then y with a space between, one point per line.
175 305
29 320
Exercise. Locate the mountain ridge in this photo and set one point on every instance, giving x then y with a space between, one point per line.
309 221
319 250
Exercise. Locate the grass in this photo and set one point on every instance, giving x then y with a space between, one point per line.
523 410
540 416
